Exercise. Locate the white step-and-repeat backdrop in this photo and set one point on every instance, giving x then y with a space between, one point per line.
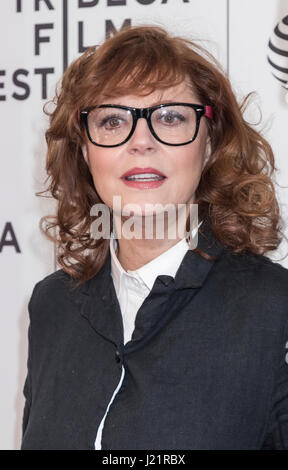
38 39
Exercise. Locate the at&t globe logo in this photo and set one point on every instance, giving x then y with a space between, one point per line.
278 53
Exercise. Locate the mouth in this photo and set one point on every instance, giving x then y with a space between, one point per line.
143 175
143 178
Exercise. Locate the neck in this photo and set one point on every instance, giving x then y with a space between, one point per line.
145 242
133 254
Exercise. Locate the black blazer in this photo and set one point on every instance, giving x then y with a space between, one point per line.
206 367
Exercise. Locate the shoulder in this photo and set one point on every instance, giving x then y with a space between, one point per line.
256 287
54 297
257 270
56 284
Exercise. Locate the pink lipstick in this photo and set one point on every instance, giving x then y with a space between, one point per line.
143 178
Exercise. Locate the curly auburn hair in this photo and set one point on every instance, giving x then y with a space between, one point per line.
235 193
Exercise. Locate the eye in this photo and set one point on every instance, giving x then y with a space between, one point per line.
170 117
111 122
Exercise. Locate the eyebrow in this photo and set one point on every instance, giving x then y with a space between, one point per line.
155 103
163 102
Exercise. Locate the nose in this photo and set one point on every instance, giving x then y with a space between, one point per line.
141 140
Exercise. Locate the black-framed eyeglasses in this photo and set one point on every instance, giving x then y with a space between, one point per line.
110 125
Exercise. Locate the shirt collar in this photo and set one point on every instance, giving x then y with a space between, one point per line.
166 264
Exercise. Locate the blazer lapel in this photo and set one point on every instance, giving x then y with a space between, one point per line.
100 306
98 300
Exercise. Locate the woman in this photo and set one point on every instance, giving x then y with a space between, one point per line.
158 342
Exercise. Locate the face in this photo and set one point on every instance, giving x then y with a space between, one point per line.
181 165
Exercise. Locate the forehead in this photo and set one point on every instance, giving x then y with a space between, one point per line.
182 92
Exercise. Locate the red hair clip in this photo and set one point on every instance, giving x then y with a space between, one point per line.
209 112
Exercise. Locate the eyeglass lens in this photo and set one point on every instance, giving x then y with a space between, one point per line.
172 124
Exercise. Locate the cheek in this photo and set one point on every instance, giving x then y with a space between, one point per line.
98 164
191 163
101 164
102 169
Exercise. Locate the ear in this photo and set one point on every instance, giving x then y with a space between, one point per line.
85 154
